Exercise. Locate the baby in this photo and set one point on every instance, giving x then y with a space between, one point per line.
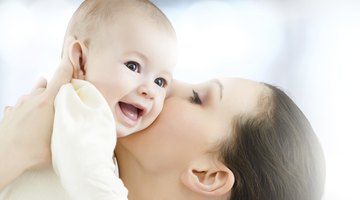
123 53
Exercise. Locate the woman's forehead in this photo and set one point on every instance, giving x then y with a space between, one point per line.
241 95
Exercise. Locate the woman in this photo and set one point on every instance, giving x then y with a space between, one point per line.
224 139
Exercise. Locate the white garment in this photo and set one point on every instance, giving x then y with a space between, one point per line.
83 141
35 185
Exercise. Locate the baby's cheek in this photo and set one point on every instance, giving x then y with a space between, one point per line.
158 106
159 101
154 113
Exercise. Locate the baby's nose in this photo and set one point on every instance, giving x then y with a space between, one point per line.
147 90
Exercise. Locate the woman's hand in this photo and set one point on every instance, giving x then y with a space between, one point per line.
26 128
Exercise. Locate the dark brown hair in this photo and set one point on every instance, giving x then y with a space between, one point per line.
274 153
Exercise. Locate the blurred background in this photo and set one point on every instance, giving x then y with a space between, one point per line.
309 48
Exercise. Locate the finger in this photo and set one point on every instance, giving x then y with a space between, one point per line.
64 72
41 83
62 76
38 91
7 109
21 100
67 41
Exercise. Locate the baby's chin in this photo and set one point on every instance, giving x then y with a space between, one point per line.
123 131
120 132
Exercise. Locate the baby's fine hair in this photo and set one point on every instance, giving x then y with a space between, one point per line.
93 14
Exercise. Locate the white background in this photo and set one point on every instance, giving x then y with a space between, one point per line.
311 49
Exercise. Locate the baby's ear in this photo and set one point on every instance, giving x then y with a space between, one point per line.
77 55
207 180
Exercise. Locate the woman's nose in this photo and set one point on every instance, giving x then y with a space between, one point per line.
179 89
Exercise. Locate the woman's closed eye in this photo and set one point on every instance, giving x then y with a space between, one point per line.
195 98
133 66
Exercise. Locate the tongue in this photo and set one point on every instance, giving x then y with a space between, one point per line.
129 111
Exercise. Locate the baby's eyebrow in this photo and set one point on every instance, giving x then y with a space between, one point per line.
168 75
138 55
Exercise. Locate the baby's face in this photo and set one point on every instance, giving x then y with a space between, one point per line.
131 63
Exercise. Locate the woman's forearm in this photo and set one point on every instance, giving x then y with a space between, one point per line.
24 138
26 128
13 161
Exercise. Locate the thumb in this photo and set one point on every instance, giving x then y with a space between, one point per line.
62 76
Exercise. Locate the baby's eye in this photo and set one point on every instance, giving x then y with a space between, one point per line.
195 98
133 66
161 82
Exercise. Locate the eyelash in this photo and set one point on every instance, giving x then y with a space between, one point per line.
137 70
195 98
134 64
163 84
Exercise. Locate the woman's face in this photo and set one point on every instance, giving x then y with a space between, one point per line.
194 119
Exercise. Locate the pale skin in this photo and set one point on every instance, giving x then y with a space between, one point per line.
172 159
123 64
24 141
130 65
175 158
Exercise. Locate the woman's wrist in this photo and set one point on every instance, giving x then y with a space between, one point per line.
13 162
26 156
16 157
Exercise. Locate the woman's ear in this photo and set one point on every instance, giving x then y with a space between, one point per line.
77 54
210 181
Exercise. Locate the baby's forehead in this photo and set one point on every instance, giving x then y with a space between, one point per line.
92 13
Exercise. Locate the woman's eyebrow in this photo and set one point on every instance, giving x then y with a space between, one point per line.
221 86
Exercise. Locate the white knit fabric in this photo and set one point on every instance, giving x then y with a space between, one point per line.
83 141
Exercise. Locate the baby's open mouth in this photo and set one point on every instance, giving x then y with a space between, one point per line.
130 111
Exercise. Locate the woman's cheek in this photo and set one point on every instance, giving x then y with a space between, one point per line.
184 122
